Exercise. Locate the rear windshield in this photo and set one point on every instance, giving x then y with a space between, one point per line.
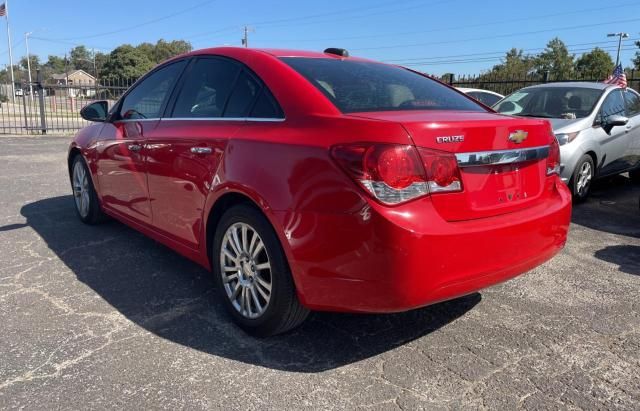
551 102
356 86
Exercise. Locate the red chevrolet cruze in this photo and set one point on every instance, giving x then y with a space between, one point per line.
317 181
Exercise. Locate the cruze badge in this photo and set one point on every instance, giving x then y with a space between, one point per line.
449 139
518 136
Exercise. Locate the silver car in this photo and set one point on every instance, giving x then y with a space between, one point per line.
597 126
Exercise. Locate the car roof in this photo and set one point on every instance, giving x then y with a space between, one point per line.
273 52
576 84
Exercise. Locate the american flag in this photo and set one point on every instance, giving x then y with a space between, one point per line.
618 77
3 10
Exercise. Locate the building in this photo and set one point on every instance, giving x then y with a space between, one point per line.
78 82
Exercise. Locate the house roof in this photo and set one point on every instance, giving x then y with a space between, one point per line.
65 75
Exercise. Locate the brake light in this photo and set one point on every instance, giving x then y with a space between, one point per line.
394 174
553 160
443 174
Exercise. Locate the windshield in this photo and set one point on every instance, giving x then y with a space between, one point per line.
551 102
356 86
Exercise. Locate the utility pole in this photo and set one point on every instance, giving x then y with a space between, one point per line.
13 80
95 70
620 37
245 38
26 40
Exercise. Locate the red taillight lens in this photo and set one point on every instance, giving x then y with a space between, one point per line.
395 174
442 169
397 166
553 160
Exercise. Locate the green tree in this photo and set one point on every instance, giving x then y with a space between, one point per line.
126 62
514 65
81 59
148 49
164 50
556 60
596 63
34 60
636 60
56 64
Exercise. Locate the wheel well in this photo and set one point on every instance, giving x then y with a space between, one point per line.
215 214
595 160
72 154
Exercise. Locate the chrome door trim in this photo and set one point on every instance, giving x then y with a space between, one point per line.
485 158
256 119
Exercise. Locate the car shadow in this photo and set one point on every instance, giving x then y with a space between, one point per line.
612 207
627 257
175 299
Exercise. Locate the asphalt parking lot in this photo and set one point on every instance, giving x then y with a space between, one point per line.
102 317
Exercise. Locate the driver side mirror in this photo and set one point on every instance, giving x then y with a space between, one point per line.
95 111
613 121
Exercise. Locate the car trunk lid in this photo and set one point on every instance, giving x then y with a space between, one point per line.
502 159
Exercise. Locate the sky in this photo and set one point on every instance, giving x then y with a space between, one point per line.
434 36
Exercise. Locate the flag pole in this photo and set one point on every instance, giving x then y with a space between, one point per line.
13 81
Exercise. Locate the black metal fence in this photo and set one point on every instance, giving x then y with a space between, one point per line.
507 85
53 107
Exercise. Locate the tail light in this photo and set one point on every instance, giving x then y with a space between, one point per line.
394 174
553 160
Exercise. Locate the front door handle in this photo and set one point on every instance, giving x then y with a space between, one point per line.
201 150
135 147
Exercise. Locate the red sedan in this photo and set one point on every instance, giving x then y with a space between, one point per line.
317 181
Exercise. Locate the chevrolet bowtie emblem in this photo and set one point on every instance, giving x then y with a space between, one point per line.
518 136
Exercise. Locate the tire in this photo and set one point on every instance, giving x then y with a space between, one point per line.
252 274
635 176
85 197
582 178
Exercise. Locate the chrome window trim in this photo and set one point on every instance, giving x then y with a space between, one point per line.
255 119
136 120
485 158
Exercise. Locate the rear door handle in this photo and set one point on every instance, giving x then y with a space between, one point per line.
201 150
135 147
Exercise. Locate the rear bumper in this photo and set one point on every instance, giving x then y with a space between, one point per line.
395 259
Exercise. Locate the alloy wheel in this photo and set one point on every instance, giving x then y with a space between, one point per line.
585 175
246 270
81 189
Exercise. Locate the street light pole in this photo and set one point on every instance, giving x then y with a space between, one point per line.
26 41
620 36
13 80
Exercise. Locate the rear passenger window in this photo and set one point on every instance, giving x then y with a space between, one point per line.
266 106
242 98
206 89
250 98
633 103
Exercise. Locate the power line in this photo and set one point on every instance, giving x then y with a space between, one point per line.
146 23
337 12
555 29
490 59
498 53
294 21
467 26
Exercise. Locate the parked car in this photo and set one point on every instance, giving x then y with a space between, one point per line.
597 126
486 97
19 92
316 181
